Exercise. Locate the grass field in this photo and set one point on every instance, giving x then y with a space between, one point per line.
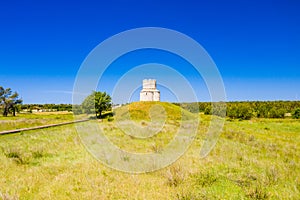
33 119
253 159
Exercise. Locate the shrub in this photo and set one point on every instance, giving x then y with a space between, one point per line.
12 154
258 193
296 113
110 119
38 153
207 110
16 156
205 179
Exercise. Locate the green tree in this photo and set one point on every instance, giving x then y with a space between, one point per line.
276 113
239 110
9 100
97 102
296 113
207 110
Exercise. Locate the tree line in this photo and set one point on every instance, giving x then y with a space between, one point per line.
250 109
46 107
97 102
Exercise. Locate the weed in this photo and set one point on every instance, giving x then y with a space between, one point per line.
246 180
271 175
258 193
251 138
126 158
205 179
12 153
38 153
156 148
175 175
24 160
16 156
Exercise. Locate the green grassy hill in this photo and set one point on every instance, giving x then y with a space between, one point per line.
143 111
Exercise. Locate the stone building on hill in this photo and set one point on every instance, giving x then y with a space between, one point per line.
149 91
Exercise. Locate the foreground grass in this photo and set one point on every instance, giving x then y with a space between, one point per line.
256 159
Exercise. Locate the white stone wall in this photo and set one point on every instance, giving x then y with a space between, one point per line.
156 96
149 84
146 96
149 91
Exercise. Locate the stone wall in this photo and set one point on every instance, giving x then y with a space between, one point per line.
149 91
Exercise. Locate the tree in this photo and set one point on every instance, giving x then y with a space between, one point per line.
9 100
296 113
276 113
239 110
97 102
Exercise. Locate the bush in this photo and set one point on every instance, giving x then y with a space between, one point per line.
296 113
110 119
107 115
38 153
207 110
16 156
258 193
205 179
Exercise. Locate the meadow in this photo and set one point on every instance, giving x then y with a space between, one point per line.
26 120
253 159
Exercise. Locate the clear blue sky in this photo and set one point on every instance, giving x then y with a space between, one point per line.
255 44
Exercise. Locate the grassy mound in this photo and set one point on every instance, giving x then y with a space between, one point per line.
147 110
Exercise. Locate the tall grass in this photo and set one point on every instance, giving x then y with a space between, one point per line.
248 162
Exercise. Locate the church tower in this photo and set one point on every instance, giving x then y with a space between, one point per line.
149 91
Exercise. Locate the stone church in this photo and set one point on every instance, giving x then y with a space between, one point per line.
149 91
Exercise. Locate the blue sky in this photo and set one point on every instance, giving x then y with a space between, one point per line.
255 44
